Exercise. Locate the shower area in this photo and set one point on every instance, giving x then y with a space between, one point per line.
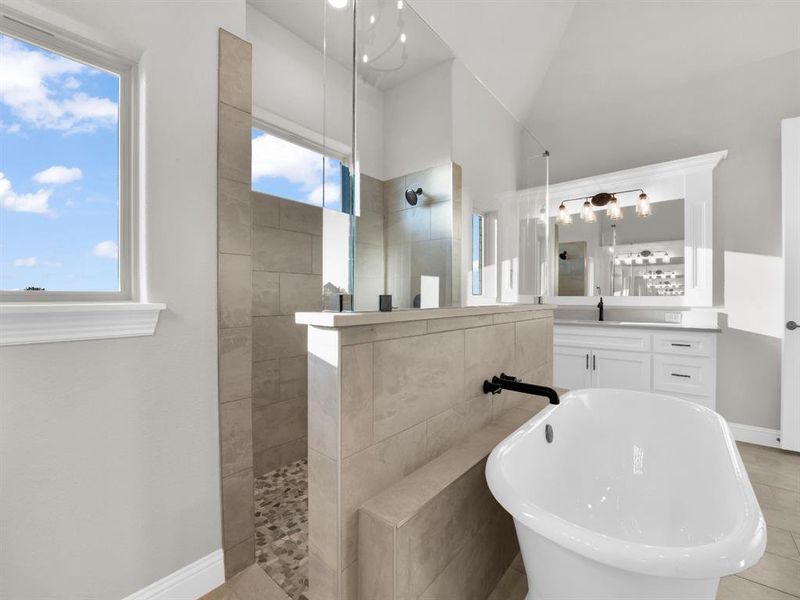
347 164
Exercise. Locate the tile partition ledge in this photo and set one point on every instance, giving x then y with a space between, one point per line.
352 319
390 392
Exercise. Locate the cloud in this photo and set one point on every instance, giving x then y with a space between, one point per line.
26 262
39 89
274 157
332 194
106 249
36 202
10 127
58 175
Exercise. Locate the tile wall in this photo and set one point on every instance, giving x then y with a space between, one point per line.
235 292
386 399
286 278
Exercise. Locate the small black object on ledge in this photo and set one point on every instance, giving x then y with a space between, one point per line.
508 382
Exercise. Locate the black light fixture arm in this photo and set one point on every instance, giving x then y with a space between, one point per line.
640 190
513 384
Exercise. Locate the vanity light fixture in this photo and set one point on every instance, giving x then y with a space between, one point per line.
563 217
609 201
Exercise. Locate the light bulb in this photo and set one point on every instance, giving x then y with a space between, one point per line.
665 258
617 261
614 211
643 208
372 19
402 38
365 59
338 4
587 213
399 4
564 218
629 261
639 259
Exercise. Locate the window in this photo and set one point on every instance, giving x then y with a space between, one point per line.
477 255
65 174
295 171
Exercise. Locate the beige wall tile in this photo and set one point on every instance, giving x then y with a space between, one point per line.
369 261
534 346
281 251
371 195
277 337
489 351
323 506
415 379
356 398
296 216
372 470
412 225
266 209
393 195
278 423
266 377
453 323
235 67
235 217
375 333
236 437
323 391
316 254
234 144
369 228
237 508
294 377
240 557
266 293
235 363
300 293
436 183
270 458
441 221
432 258
376 549
323 580
526 315
431 540
235 291
451 426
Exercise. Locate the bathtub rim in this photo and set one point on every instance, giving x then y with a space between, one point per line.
742 548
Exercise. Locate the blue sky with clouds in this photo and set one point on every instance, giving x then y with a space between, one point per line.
58 171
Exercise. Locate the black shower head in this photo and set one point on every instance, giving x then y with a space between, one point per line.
412 195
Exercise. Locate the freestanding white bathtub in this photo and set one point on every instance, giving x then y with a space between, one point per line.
638 496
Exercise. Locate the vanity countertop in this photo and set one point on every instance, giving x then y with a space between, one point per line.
636 325
352 319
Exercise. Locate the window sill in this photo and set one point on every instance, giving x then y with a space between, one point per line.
39 323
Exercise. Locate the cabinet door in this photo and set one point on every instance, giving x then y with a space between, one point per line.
571 367
621 370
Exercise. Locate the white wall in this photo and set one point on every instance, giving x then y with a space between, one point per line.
417 124
110 459
288 82
486 143
738 109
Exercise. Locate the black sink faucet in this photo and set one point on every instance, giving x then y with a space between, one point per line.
601 307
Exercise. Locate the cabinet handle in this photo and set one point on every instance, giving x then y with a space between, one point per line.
587 361
682 345
594 362
681 375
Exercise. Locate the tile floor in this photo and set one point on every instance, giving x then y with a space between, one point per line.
282 527
775 476
282 531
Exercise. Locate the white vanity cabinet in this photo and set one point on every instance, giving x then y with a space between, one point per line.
675 362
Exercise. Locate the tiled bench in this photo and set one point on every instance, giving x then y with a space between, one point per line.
439 533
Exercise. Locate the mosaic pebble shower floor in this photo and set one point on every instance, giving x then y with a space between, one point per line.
281 503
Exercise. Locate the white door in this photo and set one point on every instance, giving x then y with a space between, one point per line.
571 367
621 370
790 379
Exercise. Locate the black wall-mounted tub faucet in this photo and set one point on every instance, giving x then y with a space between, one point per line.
508 382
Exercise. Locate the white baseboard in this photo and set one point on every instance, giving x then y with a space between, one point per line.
188 583
756 435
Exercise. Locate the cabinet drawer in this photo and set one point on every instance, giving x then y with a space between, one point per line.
685 343
683 375
606 338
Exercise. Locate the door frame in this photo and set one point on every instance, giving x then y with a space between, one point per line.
790 345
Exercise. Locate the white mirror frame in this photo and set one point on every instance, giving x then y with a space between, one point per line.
690 179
